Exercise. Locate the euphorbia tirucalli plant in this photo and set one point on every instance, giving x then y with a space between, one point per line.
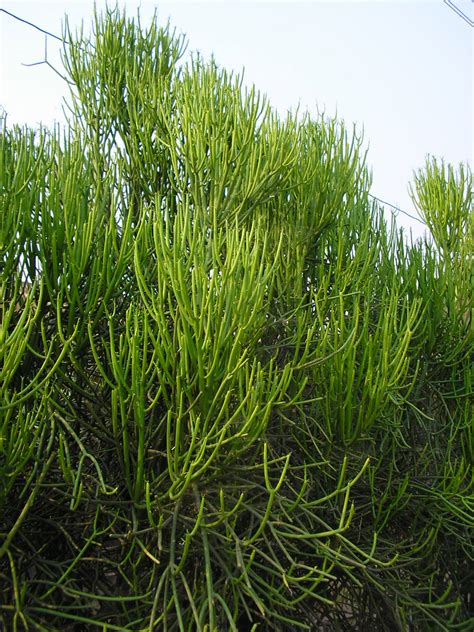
230 398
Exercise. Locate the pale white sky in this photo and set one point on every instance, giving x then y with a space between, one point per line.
401 70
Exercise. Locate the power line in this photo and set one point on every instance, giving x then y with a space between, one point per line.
399 210
16 17
461 14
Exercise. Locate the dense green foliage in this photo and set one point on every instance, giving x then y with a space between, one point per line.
231 397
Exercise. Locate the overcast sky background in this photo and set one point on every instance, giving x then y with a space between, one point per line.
401 70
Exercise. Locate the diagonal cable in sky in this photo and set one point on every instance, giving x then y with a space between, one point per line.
457 10
34 26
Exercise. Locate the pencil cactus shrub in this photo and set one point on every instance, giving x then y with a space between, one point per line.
220 409
439 271
443 195
444 198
